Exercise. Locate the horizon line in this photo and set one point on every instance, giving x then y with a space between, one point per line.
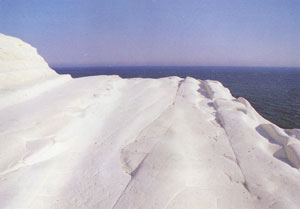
221 66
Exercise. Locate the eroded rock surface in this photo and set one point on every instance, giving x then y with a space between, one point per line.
113 143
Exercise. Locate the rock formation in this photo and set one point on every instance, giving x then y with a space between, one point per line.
104 142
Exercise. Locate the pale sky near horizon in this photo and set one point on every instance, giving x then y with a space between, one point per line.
158 32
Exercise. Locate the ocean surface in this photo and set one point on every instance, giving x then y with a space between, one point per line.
273 92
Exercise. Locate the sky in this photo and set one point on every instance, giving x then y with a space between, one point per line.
157 32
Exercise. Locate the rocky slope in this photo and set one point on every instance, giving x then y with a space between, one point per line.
113 143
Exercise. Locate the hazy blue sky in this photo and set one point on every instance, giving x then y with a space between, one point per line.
158 32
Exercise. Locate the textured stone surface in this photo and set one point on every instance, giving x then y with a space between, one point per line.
113 143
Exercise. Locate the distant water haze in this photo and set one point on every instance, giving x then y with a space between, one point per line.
158 32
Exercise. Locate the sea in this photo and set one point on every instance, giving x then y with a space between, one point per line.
273 91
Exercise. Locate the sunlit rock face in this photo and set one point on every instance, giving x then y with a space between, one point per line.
113 143
20 63
23 72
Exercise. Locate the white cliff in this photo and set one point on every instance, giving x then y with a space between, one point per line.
104 142
23 73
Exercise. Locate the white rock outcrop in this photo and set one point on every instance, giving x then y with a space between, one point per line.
112 143
20 63
23 73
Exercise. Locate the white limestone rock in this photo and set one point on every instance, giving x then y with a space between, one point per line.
20 62
113 143
23 72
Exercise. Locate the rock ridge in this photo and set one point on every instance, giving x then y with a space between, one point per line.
113 143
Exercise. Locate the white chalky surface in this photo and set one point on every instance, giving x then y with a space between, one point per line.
104 142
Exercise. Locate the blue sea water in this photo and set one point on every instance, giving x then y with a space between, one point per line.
273 92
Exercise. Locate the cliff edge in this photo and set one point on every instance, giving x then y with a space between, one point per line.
113 143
